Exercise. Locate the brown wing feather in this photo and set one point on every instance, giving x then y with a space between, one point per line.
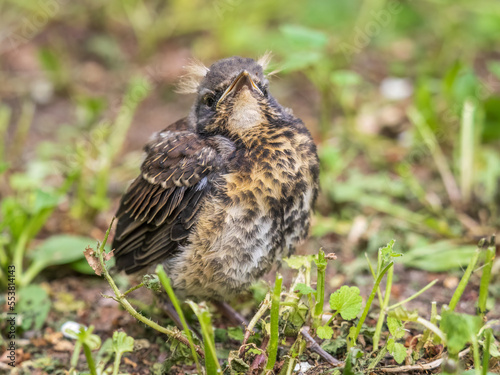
157 211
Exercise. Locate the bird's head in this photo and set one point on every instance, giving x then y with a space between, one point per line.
232 97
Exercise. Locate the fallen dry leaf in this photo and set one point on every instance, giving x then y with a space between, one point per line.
331 256
129 362
109 255
450 282
38 342
93 260
53 337
64 346
20 356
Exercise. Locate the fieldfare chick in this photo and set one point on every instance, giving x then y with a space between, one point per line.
224 193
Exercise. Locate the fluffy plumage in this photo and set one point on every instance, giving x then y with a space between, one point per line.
223 194
189 82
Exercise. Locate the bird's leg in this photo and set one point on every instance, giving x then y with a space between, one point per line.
169 309
227 311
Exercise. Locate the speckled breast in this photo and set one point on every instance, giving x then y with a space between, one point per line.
256 213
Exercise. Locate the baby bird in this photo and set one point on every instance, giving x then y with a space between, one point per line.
224 193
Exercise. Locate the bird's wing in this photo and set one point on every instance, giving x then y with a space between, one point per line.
160 206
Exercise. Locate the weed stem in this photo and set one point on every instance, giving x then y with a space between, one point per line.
392 307
262 309
129 308
464 281
383 308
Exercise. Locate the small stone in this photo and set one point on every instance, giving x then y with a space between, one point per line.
64 346
450 282
393 88
42 91
302 366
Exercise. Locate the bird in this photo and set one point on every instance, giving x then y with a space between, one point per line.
224 193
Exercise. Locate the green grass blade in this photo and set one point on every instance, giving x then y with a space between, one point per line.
272 349
464 281
370 300
437 154
467 146
320 285
212 365
383 307
413 295
165 281
486 276
5 113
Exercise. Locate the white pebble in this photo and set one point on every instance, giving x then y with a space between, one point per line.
302 367
394 88
42 91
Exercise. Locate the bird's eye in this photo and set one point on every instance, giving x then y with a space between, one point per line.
209 100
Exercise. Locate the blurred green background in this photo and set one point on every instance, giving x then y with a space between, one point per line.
402 97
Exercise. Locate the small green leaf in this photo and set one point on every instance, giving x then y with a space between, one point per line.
397 350
320 260
297 261
255 351
347 302
396 327
220 335
345 78
302 36
298 317
440 256
105 352
304 289
86 337
34 306
324 332
403 314
352 357
152 282
473 372
460 329
299 60
49 60
235 333
61 249
3 166
45 199
239 366
387 252
494 350
122 343
494 67
352 334
332 346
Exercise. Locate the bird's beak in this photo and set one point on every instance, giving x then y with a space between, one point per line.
239 82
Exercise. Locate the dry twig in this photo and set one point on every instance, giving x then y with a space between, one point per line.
420 367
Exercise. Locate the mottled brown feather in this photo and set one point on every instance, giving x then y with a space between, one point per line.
225 194
156 212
